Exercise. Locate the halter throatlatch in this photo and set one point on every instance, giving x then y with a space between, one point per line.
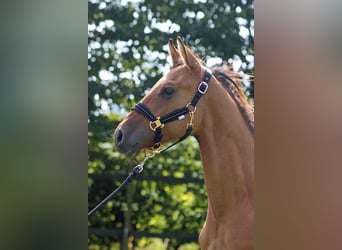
158 122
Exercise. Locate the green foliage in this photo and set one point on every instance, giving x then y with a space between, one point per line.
127 54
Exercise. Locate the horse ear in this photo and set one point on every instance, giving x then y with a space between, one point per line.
188 56
174 53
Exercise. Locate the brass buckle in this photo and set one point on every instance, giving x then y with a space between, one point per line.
156 124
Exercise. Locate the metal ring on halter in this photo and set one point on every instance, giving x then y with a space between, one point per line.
188 105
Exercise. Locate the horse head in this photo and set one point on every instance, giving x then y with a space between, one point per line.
172 93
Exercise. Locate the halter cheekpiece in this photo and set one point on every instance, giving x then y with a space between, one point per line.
157 122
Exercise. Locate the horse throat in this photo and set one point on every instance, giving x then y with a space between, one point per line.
227 154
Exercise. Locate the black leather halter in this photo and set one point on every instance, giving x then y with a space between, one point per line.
158 122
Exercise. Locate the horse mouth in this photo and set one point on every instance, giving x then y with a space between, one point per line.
133 151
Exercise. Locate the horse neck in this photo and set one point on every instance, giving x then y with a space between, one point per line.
227 150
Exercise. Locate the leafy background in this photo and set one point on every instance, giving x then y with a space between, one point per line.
127 53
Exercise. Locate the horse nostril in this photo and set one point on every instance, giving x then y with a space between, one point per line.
118 137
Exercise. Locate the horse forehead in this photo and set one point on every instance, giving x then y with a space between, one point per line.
160 82
166 79
156 87
177 76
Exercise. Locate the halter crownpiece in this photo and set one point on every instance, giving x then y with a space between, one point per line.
158 122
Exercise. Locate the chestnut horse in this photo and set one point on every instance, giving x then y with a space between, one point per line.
215 109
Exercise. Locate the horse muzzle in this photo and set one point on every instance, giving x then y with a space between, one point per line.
132 134
125 144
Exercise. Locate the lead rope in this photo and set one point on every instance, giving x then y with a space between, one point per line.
132 175
140 167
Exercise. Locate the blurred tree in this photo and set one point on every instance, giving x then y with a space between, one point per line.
127 52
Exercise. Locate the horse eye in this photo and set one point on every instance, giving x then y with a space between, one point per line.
168 91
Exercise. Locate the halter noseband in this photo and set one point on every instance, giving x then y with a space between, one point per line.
157 122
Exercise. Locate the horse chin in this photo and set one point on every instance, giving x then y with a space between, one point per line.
133 151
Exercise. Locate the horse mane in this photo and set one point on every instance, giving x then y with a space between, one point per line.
232 82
